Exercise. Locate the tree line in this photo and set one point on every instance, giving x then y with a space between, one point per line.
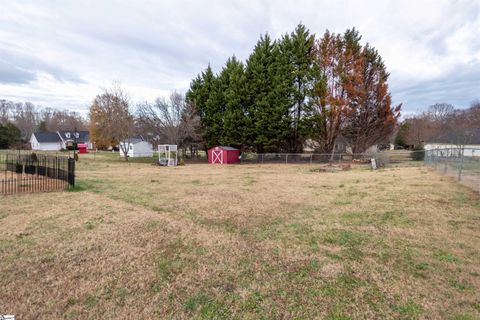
294 91
18 120
113 120
441 123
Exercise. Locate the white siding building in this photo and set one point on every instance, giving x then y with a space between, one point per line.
56 141
46 141
137 148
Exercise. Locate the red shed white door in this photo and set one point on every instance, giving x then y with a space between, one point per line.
217 156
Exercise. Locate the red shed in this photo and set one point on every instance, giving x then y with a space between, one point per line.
223 155
82 148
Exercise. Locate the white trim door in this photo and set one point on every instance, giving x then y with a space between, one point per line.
217 156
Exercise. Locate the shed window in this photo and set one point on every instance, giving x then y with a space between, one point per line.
131 147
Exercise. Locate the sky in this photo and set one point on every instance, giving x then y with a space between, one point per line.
62 53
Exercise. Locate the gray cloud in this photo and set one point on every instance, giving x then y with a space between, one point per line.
61 53
13 74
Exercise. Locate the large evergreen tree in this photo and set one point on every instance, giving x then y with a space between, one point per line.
268 97
232 86
9 135
296 89
298 49
205 95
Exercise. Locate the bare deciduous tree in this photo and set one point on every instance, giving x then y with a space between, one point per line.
174 121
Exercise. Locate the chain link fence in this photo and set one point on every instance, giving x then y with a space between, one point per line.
381 158
461 163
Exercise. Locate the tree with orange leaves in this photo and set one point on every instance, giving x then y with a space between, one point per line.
351 95
370 117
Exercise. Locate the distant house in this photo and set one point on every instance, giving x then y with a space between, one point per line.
80 137
136 147
55 141
46 141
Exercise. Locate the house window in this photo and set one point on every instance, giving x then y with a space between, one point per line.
131 147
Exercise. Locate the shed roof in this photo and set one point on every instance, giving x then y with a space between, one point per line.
227 148
133 140
47 137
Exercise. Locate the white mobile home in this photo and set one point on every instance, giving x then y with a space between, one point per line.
136 148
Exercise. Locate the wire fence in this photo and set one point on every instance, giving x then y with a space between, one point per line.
28 172
382 158
460 163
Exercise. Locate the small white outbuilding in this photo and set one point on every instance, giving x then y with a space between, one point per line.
137 148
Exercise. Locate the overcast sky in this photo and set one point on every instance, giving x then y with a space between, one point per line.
61 53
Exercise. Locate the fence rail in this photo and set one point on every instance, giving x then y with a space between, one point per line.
315 158
26 172
461 163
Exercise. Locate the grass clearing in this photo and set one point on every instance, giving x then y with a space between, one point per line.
242 242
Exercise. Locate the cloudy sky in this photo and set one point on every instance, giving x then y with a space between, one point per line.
61 53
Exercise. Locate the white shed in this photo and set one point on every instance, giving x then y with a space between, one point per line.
137 148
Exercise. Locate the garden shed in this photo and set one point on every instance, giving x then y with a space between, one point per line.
223 155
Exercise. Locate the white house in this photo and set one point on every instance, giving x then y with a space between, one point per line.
56 141
46 141
69 137
137 148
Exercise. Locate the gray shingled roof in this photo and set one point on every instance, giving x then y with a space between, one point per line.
83 136
133 140
47 137
228 148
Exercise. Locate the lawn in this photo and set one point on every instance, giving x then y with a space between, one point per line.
243 242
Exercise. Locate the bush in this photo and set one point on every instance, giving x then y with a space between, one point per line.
418 153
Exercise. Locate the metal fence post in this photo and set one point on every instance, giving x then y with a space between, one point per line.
311 158
286 158
461 165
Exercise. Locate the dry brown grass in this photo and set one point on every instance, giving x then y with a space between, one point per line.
246 242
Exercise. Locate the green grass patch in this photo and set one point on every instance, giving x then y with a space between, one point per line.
345 238
445 256
90 301
85 185
409 310
206 307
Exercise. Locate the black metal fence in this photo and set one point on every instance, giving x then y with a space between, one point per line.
26 172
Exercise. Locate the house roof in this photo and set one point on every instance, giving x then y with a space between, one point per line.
47 137
79 136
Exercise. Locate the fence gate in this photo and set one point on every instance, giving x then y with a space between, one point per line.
30 172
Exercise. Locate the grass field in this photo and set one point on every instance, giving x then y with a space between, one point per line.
244 242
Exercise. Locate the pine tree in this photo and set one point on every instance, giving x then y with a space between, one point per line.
298 48
268 97
205 95
232 84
